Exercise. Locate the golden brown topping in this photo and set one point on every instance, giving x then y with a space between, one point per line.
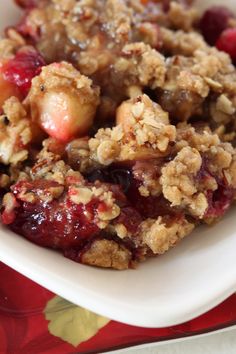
182 17
141 65
10 45
160 236
143 131
107 254
180 42
178 181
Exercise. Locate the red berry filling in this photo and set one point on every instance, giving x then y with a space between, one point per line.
130 218
219 200
147 207
62 224
23 68
27 4
29 32
59 223
214 21
227 42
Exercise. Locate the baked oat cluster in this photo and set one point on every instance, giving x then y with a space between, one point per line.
117 126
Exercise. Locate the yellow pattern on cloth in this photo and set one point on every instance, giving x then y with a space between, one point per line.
72 323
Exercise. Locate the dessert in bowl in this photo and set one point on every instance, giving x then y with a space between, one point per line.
117 142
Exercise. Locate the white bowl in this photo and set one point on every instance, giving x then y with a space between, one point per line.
173 288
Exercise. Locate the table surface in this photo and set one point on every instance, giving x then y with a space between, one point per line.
218 343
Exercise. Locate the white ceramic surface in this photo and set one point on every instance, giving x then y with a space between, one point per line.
173 288
219 342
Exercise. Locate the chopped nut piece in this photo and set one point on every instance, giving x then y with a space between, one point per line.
109 213
80 195
121 230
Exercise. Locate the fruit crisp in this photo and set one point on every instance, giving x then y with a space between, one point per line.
117 126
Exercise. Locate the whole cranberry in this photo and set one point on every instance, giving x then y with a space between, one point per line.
21 69
213 22
227 42
27 4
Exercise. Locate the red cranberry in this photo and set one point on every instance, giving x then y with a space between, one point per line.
219 201
8 217
214 21
76 254
130 218
148 207
57 224
27 4
23 68
61 223
29 32
227 42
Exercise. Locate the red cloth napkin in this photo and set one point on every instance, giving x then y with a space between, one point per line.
35 321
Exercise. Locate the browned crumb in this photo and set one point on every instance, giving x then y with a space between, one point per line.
107 254
160 237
